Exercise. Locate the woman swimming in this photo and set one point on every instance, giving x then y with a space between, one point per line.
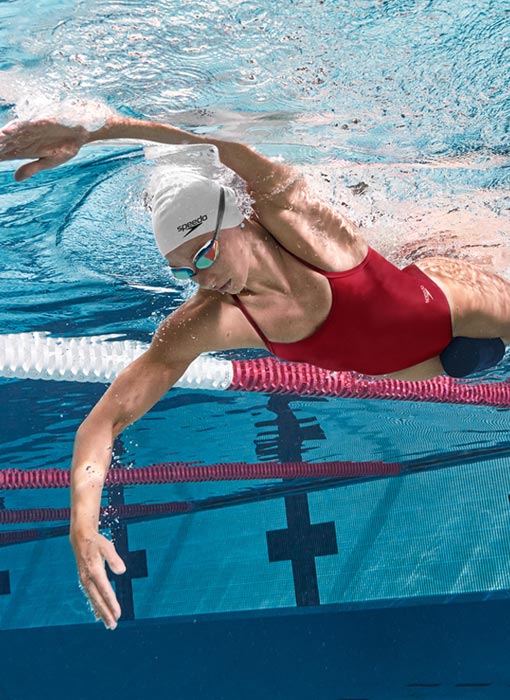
296 277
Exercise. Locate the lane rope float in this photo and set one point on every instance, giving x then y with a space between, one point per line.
183 472
101 358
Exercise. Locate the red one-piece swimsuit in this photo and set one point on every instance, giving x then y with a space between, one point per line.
382 320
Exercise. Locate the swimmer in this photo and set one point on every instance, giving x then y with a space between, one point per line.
296 278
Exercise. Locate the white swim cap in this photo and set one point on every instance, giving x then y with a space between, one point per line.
185 205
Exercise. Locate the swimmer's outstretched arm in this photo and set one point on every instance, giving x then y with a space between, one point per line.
202 324
52 144
257 170
282 201
133 392
281 198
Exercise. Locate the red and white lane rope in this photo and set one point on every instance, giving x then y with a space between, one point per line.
101 358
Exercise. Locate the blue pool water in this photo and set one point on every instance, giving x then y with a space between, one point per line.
398 111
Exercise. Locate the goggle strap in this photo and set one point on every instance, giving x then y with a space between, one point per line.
219 220
221 211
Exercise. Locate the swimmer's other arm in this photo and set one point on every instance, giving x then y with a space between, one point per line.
259 172
49 143
281 198
136 389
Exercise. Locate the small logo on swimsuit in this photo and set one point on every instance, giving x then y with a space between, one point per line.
426 294
192 225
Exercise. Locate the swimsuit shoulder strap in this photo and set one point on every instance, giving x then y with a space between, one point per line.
301 260
250 319
325 273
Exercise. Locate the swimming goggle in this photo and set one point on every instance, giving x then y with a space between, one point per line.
208 254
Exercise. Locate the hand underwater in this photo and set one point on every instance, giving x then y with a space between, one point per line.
91 551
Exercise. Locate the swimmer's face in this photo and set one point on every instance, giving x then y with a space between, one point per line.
226 271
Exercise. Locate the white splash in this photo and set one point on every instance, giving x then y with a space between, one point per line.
33 99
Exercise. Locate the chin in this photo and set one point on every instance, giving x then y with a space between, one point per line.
235 288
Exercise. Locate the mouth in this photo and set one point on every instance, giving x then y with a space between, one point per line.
225 287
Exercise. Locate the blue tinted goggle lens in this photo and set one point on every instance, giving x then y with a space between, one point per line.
182 273
205 257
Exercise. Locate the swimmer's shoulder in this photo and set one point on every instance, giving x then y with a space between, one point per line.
310 228
208 322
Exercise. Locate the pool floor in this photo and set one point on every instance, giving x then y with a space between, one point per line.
439 651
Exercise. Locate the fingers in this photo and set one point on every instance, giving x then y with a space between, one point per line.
103 602
11 127
101 595
26 171
38 143
9 149
36 166
13 137
115 562
95 582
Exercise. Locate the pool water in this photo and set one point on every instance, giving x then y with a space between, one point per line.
398 112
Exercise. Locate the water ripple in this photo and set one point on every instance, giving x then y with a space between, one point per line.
420 76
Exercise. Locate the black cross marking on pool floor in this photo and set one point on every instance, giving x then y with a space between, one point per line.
5 583
136 562
301 542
